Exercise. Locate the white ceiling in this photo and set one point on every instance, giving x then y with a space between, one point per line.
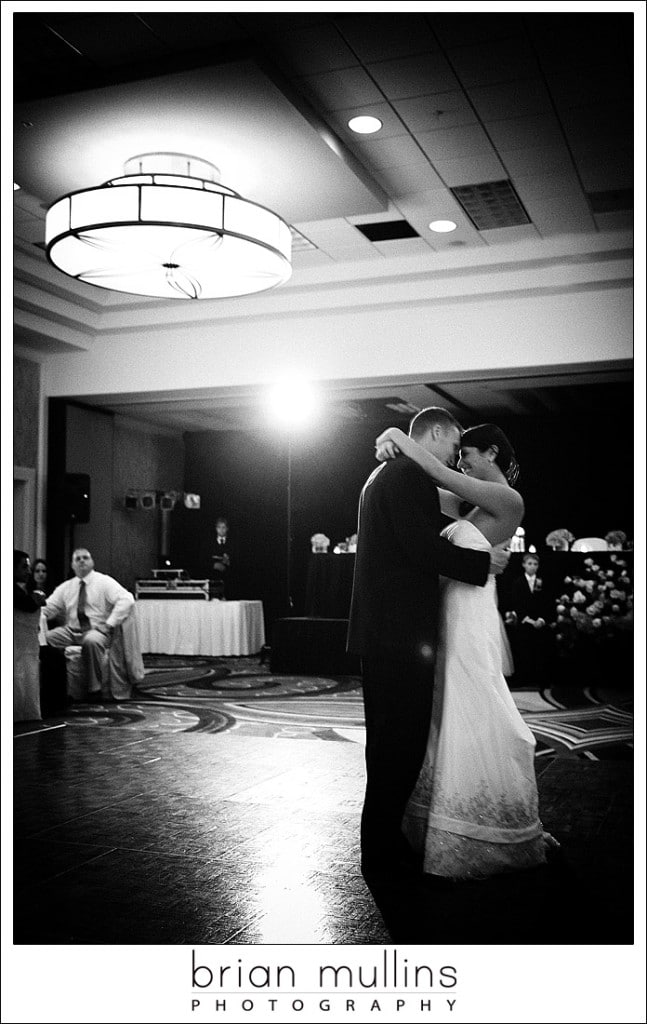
542 100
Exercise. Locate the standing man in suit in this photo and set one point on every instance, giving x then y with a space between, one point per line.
223 558
392 627
528 611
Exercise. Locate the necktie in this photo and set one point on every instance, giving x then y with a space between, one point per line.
531 584
84 621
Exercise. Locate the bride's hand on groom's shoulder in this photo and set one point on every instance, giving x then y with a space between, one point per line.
389 444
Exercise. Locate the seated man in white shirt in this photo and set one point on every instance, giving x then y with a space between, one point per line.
90 605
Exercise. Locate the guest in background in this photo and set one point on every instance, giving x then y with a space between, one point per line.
560 540
53 676
38 580
26 669
319 544
90 605
223 568
616 540
528 611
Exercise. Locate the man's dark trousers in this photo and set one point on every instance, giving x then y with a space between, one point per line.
398 692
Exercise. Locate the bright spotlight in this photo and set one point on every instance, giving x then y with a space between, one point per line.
293 404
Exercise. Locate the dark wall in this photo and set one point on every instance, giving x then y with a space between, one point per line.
117 455
576 472
244 475
26 412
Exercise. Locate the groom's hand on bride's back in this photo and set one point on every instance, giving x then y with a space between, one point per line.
499 557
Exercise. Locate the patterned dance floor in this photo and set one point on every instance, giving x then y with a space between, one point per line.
222 797
215 694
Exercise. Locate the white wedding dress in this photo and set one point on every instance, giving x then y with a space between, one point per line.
474 810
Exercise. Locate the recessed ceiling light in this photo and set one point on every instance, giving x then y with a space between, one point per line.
442 226
365 125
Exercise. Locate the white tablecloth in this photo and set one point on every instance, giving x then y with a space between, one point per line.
219 628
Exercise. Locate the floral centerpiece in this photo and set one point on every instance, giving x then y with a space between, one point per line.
596 605
559 540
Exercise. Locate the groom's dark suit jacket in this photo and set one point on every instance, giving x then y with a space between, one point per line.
399 558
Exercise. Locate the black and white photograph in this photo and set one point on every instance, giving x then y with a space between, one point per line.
324 420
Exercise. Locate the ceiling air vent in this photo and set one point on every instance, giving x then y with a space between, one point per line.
387 230
613 201
492 204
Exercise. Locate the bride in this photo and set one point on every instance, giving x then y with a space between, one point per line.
474 810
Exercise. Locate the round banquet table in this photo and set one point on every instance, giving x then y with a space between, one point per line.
191 627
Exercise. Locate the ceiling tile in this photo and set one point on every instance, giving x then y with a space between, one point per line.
441 110
181 33
336 232
439 204
342 255
558 214
383 36
539 161
548 186
309 258
463 29
385 153
504 236
454 143
607 119
511 99
462 238
470 171
414 76
392 126
499 61
404 247
604 171
619 220
573 86
406 178
563 222
337 90
525 132
392 213
313 49
111 40
432 204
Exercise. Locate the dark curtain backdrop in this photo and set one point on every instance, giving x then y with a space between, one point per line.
576 472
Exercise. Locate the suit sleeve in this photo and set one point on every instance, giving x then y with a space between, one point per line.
417 522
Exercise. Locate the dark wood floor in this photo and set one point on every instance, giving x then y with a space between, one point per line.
161 837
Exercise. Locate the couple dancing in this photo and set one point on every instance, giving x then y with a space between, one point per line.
451 784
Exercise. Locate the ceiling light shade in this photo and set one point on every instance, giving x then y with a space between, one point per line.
365 125
168 229
442 226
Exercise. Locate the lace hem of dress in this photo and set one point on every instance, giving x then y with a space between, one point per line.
459 856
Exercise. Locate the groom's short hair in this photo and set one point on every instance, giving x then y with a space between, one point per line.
428 418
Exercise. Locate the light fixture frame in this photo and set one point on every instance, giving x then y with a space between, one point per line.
62 225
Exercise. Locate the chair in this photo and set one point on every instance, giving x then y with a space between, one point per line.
123 665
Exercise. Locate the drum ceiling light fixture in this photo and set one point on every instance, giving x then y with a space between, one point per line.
168 229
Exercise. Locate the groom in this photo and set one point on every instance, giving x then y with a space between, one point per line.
392 626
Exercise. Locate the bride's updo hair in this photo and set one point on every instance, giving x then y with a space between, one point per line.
487 435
